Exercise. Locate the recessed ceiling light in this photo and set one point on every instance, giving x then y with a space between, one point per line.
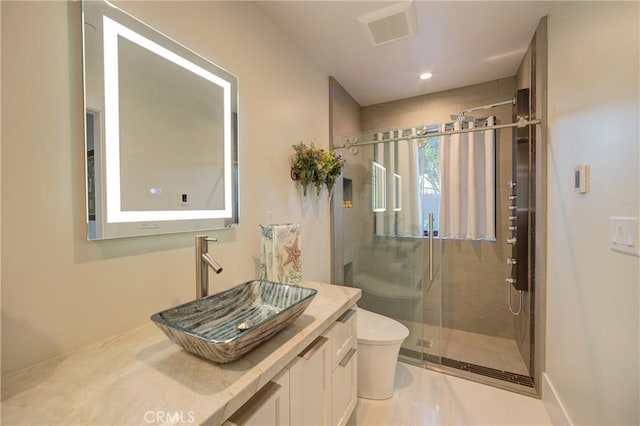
425 76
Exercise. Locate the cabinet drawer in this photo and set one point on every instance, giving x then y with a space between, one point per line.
269 406
344 381
343 336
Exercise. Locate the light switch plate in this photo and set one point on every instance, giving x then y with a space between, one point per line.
625 235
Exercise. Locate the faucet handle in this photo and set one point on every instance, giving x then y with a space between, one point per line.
211 239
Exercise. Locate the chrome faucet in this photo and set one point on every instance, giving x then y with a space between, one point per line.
204 261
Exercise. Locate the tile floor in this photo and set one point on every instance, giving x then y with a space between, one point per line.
489 351
481 349
425 397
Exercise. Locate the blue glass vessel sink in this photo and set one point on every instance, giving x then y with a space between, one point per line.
224 326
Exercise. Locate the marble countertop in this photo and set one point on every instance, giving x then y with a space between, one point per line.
141 377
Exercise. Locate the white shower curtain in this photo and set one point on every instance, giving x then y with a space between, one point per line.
467 201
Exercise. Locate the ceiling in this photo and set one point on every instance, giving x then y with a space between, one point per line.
459 42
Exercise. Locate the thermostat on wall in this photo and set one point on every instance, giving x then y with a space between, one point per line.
581 179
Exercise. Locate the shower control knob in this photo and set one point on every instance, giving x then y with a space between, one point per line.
511 240
511 184
513 207
512 197
511 280
512 228
513 217
511 261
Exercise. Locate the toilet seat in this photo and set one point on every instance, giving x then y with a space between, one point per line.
376 329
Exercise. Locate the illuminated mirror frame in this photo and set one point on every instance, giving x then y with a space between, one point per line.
397 192
379 187
106 219
112 30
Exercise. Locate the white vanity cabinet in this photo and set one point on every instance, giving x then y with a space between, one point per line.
320 385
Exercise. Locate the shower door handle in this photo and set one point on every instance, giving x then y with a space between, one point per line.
430 246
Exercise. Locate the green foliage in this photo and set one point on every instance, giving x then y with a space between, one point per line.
317 165
430 165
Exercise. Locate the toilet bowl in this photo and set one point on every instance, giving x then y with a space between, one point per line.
379 340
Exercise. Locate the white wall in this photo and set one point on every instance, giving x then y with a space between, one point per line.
60 292
592 292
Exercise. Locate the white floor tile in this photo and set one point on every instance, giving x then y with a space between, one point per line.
425 397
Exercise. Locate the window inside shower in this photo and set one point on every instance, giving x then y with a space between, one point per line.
429 182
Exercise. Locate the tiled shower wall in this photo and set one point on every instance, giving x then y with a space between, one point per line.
528 325
473 272
344 120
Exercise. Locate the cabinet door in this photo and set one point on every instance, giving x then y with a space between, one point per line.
269 406
344 388
310 386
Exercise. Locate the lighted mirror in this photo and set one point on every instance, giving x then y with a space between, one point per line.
379 187
161 131
397 192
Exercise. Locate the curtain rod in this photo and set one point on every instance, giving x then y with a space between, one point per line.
522 122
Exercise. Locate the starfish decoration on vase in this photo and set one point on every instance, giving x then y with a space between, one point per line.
293 254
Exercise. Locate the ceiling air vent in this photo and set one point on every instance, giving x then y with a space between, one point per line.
392 23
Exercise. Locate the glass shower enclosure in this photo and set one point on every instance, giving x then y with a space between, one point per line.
449 292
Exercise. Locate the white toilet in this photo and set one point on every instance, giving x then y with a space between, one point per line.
379 340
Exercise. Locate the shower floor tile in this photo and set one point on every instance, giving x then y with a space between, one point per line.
426 397
489 351
480 349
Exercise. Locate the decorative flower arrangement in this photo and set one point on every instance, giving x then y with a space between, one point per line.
317 166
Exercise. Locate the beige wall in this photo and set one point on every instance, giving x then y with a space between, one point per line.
60 292
473 272
592 292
